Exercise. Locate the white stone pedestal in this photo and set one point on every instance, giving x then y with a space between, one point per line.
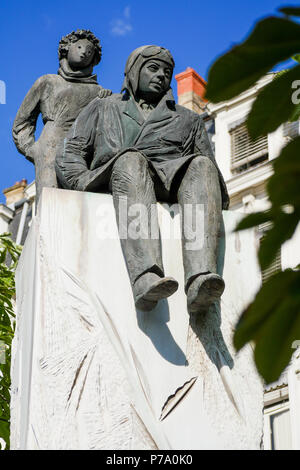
89 372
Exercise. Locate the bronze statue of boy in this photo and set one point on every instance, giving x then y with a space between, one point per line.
59 98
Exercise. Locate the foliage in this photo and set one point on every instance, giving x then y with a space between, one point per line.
8 249
272 320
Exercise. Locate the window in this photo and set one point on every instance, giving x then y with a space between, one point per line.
246 153
275 266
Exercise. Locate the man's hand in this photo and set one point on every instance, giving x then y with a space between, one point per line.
104 93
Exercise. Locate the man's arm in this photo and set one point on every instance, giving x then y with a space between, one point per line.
76 151
202 144
203 147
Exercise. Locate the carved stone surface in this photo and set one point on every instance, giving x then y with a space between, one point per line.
91 372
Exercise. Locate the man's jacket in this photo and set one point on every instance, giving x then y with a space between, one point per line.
106 128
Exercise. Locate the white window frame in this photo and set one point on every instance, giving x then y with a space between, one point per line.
268 412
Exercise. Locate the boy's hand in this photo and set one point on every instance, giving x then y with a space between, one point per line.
104 93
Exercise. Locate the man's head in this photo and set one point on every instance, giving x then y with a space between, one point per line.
154 80
148 72
81 48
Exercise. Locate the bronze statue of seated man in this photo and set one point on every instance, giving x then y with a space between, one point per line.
143 148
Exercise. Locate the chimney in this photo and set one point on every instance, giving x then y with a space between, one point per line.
191 90
16 192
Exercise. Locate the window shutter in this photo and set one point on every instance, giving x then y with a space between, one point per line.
245 152
275 266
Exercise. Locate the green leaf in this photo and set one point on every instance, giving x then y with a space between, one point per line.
288 161
4 431
296 58
273 106
254 219
274 341
283 186
272 322
272 40
264 304
284 191
7 325
290 10
3 256
296 114
4 327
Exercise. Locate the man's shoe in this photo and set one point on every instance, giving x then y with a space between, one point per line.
204 291
150 288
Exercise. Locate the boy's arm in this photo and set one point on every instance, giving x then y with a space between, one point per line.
25 122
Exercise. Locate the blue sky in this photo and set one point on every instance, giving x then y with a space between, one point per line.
195 31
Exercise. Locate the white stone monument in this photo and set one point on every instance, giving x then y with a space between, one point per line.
91 372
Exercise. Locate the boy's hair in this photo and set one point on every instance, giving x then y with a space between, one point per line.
74 36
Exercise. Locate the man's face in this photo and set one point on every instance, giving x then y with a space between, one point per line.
81 54
155 78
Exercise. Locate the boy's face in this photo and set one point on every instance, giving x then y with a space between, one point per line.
81 54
